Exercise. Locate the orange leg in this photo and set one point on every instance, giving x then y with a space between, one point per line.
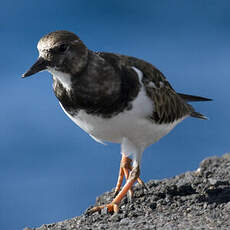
132 175
130 194
125 168
114 205
119 181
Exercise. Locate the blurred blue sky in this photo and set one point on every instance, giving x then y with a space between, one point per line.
51 170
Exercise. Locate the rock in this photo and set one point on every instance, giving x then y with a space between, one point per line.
193 200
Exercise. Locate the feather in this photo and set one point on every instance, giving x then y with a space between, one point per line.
188 97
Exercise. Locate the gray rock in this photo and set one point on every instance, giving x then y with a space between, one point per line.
193 200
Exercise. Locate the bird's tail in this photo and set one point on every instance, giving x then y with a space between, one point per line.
198 115
191 98
188 98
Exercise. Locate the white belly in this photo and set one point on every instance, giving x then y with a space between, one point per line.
132 128
140 131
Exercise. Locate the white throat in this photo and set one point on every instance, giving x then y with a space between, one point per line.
64 78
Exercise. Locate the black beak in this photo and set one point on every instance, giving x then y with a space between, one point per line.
39 65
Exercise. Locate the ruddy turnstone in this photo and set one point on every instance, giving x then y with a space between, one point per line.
114 98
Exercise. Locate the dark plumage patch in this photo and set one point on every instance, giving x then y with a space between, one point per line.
104 88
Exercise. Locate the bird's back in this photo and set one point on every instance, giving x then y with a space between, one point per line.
168 105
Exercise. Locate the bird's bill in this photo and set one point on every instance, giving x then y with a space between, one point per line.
39 65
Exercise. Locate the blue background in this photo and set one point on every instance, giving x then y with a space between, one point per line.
50 169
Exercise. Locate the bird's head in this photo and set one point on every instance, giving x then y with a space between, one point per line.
60 51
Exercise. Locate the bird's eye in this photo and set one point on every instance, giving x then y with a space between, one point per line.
62 48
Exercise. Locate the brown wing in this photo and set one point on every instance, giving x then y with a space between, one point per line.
168 105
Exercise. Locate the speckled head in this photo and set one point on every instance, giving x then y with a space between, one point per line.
61 51
56 38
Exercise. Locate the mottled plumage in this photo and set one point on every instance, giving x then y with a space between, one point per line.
168 105
114 98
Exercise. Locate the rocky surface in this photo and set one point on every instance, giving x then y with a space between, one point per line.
193 200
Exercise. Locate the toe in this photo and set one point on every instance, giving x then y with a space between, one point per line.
96 209
111 208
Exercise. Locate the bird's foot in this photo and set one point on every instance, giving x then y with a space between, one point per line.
111 208
114 205
125 169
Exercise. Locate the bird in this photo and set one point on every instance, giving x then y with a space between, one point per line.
114 98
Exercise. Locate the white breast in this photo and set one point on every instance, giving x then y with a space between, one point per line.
133 125
64 78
